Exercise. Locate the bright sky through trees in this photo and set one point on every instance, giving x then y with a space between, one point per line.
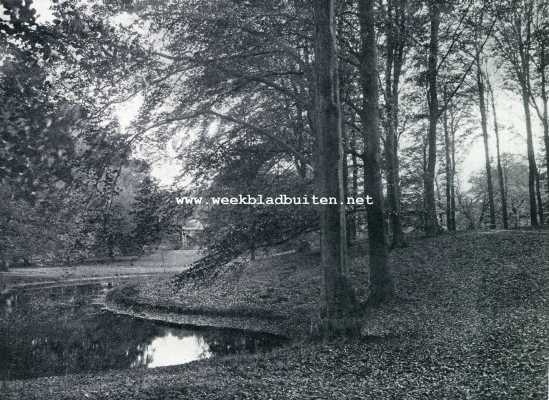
509 111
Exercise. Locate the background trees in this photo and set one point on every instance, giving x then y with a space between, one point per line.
382 98
514 37
63 153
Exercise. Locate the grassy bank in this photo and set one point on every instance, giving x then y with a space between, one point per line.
471 323
167 263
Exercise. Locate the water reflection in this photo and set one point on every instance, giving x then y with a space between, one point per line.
62 331
174 349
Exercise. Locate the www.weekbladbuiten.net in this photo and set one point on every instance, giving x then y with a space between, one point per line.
281 199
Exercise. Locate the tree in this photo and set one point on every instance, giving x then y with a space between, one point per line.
396 30
473 201
449 164
381 283
451 53
247 165
431 224
514 40
329 167
541 35
148 227
484 125
501 178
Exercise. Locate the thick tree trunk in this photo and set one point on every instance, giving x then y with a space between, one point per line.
501 181
338 296
393 70
381 282
484 125
431 225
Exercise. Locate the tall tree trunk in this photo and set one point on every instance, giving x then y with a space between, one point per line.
338 295
538 198
354 190
448 172
393 189
545 121
524 80
380 276
531 159
452 176
346 191
393 69
431 225
484 125
343 89
502 191
439 202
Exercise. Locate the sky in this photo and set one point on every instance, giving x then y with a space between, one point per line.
43 10
509 110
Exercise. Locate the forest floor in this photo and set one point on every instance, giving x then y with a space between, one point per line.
471 322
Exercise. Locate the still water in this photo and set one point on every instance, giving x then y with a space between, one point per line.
64 331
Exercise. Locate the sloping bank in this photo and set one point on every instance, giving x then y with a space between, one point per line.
473 325
278 295
126 300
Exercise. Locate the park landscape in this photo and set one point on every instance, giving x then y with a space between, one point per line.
111 287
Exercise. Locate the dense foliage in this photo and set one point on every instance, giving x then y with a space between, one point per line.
233 89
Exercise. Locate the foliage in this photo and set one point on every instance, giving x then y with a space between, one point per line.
516 185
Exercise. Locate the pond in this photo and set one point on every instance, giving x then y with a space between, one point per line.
63 331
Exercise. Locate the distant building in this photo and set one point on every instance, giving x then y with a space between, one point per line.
191 233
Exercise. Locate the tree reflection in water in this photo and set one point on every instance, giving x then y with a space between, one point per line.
60 331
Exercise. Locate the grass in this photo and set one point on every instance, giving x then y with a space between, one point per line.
171 262
473 325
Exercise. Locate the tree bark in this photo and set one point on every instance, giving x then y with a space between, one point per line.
484 125
338 294
531 159
538 198
448 171
545 121
501 180
381 282
393 69
431 225
354 190
524 80
452 176
344 161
